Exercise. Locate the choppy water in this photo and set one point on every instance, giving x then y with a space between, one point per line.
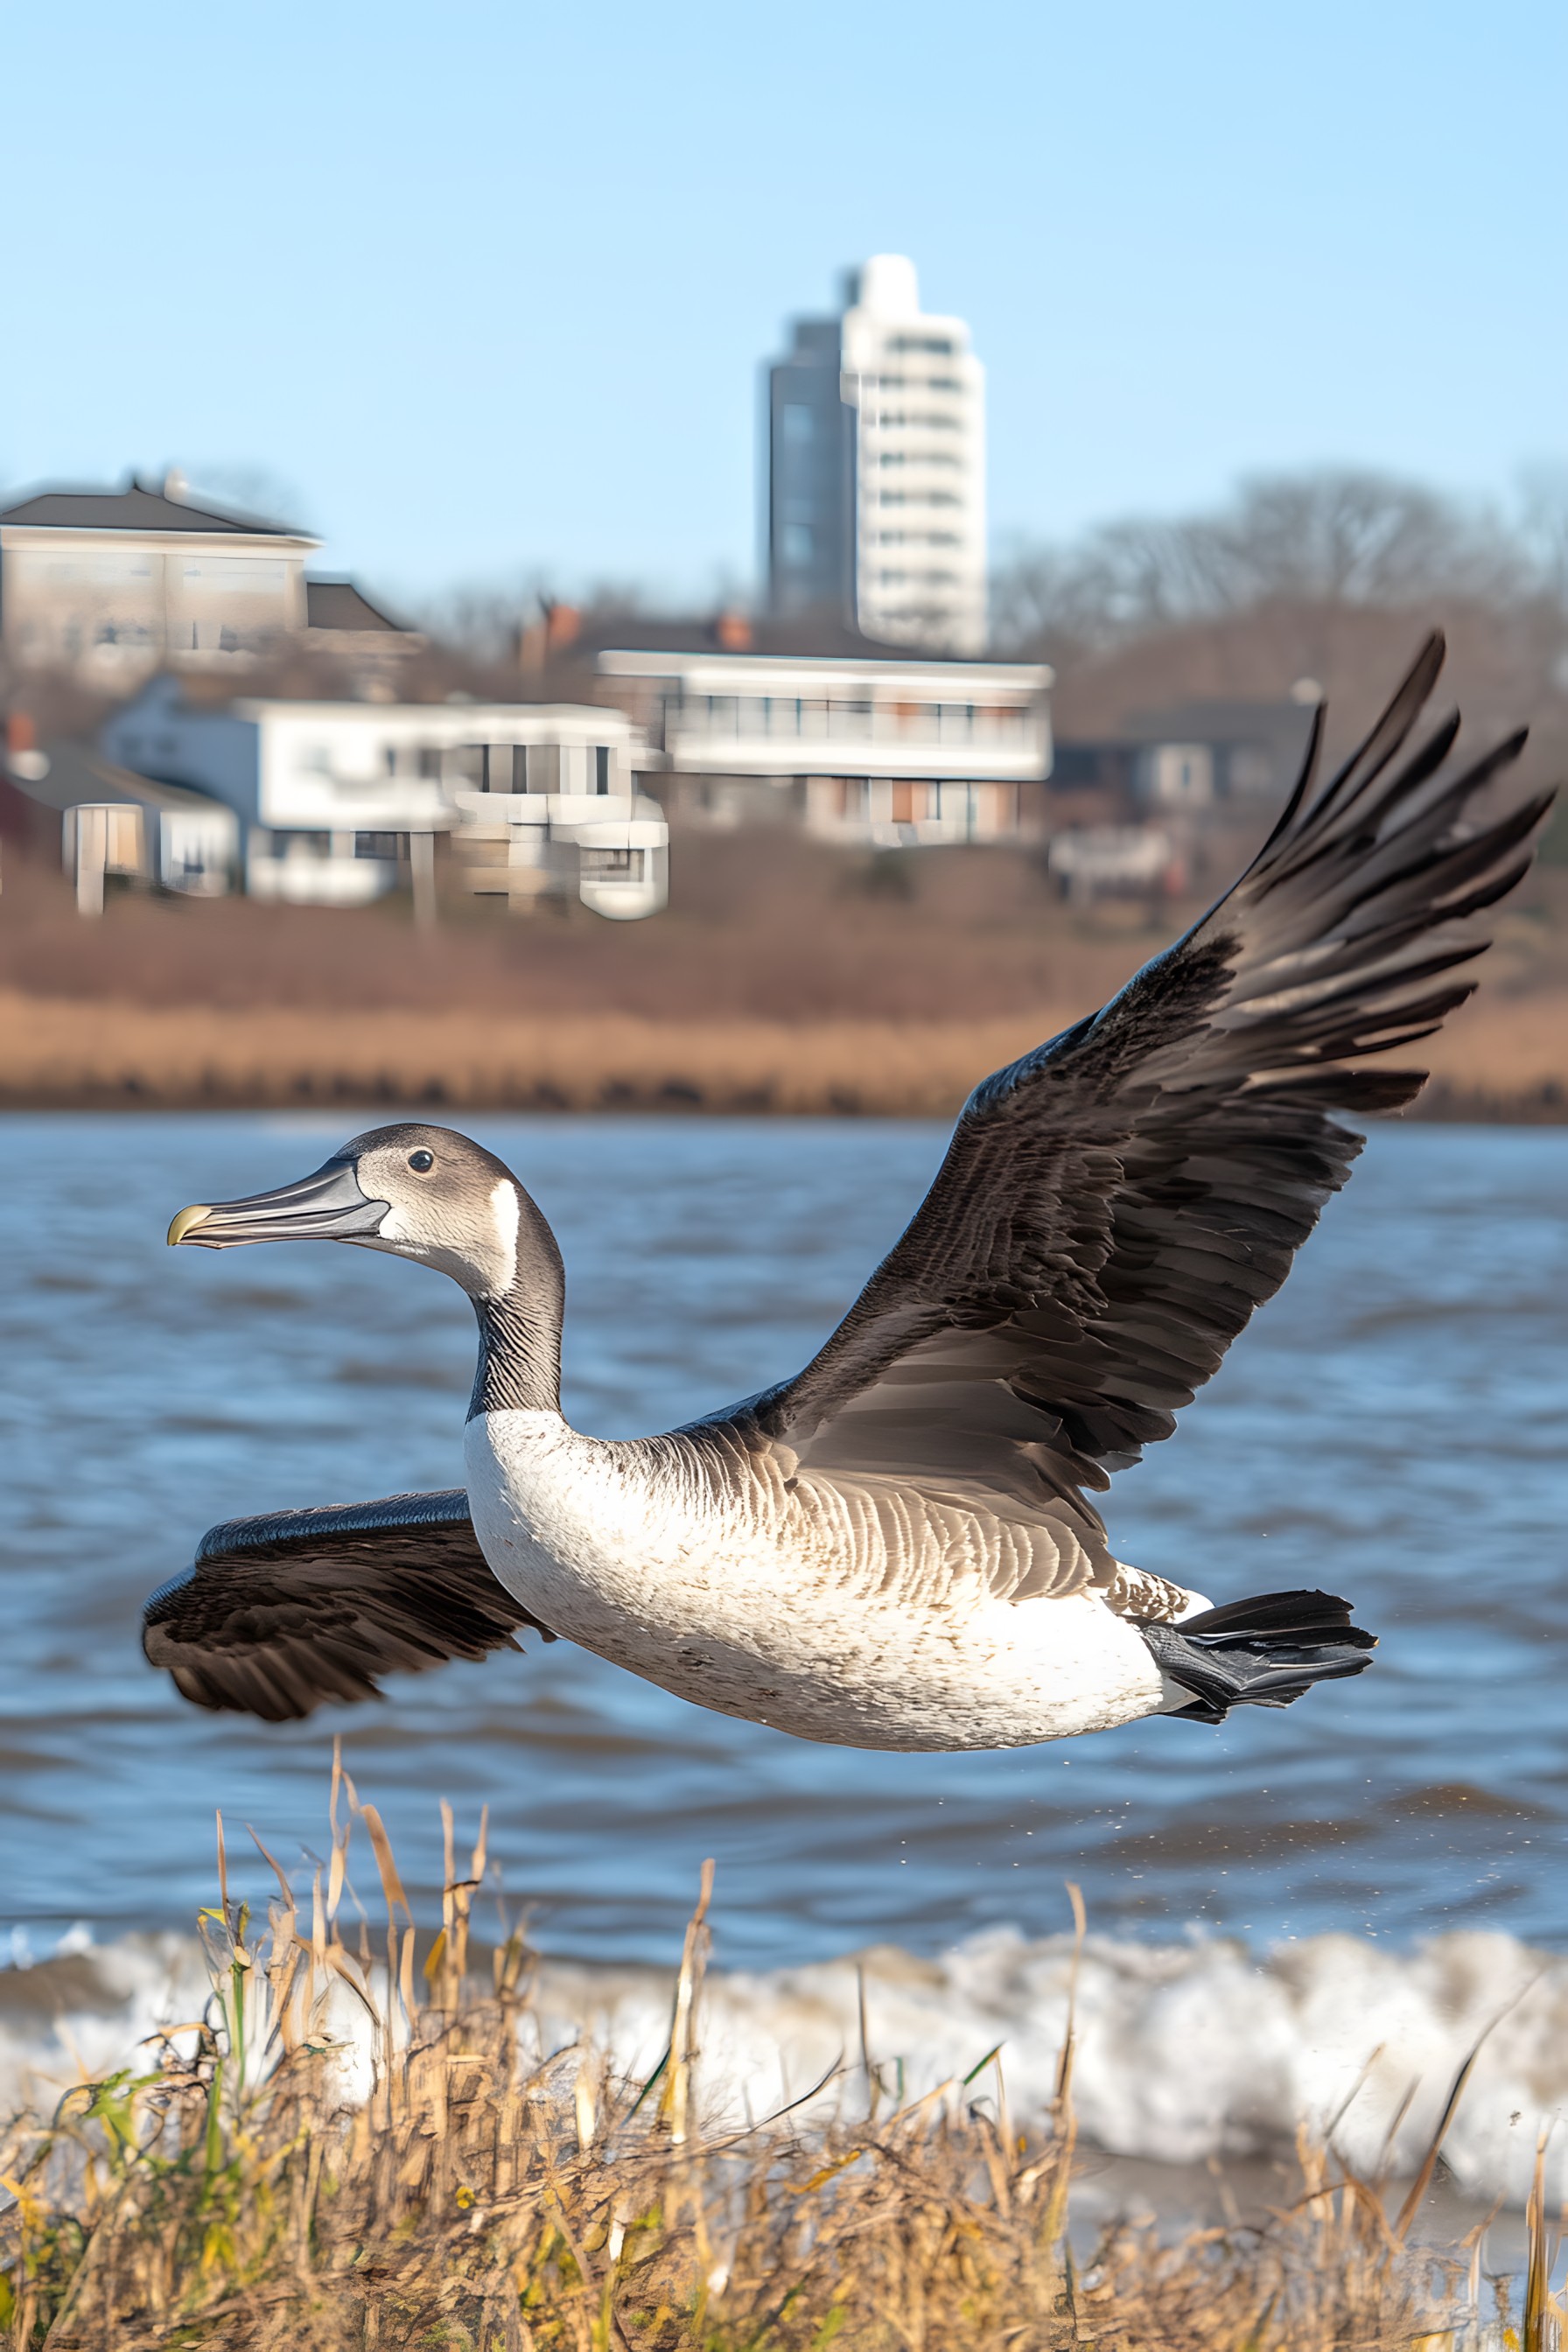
1394 1425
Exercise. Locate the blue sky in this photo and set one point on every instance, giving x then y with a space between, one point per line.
484 287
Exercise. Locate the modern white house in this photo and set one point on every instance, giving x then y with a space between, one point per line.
888 753
876 439
339 801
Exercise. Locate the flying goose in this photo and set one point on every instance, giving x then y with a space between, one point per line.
898 1549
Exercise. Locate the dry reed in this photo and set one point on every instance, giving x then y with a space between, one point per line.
245 2193
1502 1057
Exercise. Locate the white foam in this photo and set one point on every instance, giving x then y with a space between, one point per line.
1185 2052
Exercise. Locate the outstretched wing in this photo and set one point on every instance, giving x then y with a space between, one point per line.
1113 1207
277 1615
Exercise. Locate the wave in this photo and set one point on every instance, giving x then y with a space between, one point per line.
1183 2052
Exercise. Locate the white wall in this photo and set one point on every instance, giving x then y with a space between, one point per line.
919 393
212 751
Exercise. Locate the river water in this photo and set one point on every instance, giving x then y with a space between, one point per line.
1394 1426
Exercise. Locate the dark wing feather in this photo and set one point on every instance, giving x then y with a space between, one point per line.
277 1615
1113 1207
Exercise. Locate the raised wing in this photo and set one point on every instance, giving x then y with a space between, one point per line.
277 1615
1114 1206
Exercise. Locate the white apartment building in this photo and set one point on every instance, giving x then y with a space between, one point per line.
338 802
886 753
877 467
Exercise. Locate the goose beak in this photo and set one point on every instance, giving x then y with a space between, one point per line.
328 1207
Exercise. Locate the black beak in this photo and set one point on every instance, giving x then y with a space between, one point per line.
328 1207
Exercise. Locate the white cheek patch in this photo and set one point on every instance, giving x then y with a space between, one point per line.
506 1209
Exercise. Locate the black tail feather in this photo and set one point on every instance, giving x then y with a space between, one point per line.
1259 1653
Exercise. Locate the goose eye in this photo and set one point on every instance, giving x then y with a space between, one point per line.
421 1162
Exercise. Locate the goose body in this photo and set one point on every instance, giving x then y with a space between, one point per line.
898 1547
793 1600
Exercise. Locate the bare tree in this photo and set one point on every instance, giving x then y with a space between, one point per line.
1329 538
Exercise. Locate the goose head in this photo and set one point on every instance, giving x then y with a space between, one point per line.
421 1192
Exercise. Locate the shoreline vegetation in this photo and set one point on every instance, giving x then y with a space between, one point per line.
1504 1058
363 2143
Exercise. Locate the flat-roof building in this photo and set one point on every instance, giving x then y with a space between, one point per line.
339 801
875 464
854 748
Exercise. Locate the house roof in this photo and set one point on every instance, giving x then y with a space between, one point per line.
339 604
814 635
77 773
136 508
1222 720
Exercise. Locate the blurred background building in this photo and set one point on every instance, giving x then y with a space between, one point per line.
339 803
110 585
876 467
851 747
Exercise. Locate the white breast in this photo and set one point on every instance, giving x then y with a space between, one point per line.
736 1600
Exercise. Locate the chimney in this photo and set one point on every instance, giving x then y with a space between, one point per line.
562 626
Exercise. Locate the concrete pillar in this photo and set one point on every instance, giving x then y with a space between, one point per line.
422 873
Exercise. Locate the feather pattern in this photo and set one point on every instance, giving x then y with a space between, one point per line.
1114 1206
276 1614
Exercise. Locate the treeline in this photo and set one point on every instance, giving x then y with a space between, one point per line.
1331 537
1332 576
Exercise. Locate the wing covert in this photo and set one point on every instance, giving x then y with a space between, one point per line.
278 1614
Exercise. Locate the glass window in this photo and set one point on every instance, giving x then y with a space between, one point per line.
612 864
601 767
797 424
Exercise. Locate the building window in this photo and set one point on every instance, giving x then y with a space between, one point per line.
612 864
519 767
796 424
911 803
430 762
601 767
376 844
795 541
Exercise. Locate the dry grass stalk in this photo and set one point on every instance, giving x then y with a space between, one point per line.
248 2193
1502 1057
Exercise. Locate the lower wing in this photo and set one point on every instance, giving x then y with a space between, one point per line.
277 1615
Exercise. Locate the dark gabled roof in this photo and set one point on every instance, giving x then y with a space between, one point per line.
76 772
135 509
1222 720
339 604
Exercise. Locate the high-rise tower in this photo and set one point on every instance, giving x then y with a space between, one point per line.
877 467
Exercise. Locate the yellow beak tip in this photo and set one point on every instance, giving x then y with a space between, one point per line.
186 1222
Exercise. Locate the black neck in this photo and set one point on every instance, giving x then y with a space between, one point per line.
519 1368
